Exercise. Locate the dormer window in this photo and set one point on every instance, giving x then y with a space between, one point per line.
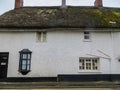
25 61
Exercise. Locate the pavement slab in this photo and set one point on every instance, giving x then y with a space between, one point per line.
59 85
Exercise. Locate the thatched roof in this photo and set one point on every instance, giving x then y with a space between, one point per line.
55 17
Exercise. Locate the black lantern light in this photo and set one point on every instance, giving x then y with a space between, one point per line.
25 61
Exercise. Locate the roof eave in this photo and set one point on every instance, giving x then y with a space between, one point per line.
57 29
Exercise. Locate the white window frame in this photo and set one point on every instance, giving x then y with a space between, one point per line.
92 69
41 36
87 34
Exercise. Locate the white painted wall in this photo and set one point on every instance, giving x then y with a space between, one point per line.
60 54
116 44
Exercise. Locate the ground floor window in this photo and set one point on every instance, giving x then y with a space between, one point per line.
88 63
25 61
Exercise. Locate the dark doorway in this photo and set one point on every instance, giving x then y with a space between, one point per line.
3 65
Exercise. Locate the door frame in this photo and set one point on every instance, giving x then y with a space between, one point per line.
7 54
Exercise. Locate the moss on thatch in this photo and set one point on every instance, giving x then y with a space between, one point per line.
71 17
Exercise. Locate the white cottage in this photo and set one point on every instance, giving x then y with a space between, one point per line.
65 44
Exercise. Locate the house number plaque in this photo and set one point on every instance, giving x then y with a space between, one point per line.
3 63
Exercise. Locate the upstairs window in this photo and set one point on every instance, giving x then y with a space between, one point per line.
41 36
25 61
89 64
87 36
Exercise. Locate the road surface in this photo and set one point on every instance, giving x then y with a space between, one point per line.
69 89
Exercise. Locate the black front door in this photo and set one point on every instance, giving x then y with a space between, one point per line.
3 65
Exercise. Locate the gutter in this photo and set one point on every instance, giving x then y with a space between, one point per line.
59 29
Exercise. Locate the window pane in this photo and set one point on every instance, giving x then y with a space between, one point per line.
86 32
28 56
44 36
24 62
28 62
24 56
88 60
81 64
39 36
23 67
86 35
28 67
87 66
95 64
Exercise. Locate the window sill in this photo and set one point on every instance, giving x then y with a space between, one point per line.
24 72
41 41
87 40
89 71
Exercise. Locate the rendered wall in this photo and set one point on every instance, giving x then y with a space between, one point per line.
60 54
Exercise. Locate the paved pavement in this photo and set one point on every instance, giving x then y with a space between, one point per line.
60 85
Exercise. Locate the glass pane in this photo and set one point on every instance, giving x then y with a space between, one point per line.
28 67
23 67
80 60
81 64
86 37
88 66
28 62
88 60
95 64
28 56
96 61
86 32
24 56
24 62
83 67
39 36
44 36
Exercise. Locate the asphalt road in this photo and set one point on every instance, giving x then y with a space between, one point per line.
69 89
